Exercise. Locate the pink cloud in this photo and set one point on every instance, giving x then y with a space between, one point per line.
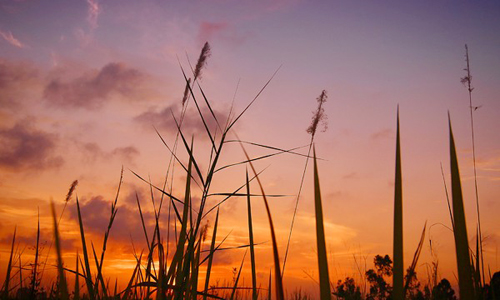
93 13
11 39
224 31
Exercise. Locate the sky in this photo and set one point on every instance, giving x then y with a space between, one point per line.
84 85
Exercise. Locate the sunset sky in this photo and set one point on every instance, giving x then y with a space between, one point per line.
84 84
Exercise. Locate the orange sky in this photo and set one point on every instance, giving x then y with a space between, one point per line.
83 85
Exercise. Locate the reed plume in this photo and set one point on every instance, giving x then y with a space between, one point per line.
71 190
318 116
202 62
467 81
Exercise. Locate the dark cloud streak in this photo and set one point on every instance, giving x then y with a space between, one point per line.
23 147
91 91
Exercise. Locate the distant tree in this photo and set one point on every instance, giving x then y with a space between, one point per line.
379 288
443 291
347 290
493 290
412 286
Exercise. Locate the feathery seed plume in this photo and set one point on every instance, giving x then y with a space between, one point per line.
319 115
202 60
71 190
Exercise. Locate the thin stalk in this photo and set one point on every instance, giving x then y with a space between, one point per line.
34 275
319 116
250 235
468 81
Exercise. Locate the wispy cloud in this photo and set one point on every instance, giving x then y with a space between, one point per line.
91 90
94 9
92 151
383 134
9 37
191 125
17 81
223 31
28 148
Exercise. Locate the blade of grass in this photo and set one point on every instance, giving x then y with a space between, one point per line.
250 235
413 266
210 260
77 282
5 293
34 281
88 277
269 289
324 278
466 288
251 102
62 288
398 269
233 293
278 280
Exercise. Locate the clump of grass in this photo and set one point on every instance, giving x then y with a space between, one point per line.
158 275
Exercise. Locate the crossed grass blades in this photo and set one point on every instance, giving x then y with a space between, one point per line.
165 273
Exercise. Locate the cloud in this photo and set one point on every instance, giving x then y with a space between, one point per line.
191 125
23 147
222 31
92 151
383 134
11 39
96 212
90 91
17 80
94 10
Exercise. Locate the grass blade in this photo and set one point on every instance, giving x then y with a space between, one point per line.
460 231
9 267
88 277
210 260
277 270
398 268
250 235
62 288
411 270
77 283
324 278
233 293
34 281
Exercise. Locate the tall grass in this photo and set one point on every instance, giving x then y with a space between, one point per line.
398 269
460 230
324 277
166 274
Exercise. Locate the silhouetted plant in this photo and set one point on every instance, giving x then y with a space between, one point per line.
379 288
347 290
443 291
